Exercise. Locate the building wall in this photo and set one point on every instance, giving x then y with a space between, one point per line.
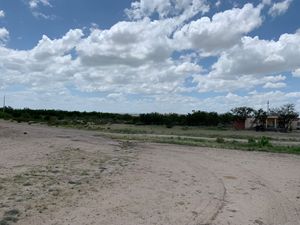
239 125
296 125
249 123
272 122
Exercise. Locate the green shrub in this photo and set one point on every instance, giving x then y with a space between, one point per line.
220 140
169 125
5 116
252 141
264 141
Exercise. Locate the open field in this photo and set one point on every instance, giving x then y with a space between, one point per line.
203 137
209 132
65 176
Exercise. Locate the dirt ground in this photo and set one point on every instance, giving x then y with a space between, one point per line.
62 176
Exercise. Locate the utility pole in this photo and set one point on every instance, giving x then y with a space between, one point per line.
268 106
4 103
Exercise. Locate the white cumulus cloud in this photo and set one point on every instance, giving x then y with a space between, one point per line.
245 82
157 59
128 43
222 31
252 63
254 56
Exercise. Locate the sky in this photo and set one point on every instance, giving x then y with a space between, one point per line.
138 56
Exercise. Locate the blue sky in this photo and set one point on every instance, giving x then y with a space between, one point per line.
149 55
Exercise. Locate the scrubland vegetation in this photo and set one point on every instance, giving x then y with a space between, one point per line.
199 128
285 113
59 117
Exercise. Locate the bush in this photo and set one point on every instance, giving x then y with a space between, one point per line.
252 141
220 140
169 125
264 141
5 116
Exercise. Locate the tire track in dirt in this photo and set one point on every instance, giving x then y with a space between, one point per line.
284 204
211 211
183 186
162 185
277 207
281 205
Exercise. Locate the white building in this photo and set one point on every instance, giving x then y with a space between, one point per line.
272 123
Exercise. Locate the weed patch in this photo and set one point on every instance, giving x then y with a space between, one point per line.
11 216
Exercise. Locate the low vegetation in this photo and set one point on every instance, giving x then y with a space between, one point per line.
198 128
258 144
59 117
10 216
66 173
285 113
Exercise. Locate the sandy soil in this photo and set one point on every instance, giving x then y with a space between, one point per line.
61 176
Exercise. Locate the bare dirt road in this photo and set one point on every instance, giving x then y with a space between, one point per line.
61 176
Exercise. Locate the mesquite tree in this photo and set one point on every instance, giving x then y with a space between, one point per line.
242 113
286 115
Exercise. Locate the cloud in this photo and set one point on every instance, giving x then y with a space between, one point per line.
51 64
4 36
271 85
132 57
224 30
39 15
47 48
280 8
254 56
296 73
219 84
2 14
166 8
266 2
256 100
156 59
33 4
128 43
116 102
137 42
151 78
252 63
48 65
218 3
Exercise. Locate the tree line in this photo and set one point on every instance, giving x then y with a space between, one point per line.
196 118
286 114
